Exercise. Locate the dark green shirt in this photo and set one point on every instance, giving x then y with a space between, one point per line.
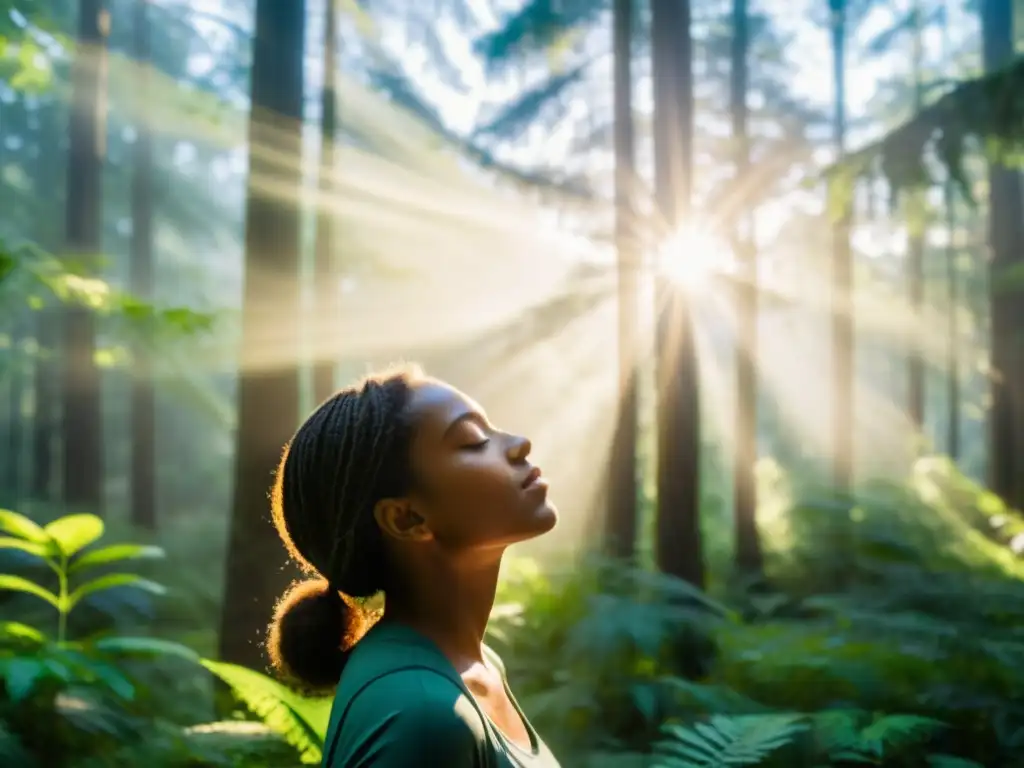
401 704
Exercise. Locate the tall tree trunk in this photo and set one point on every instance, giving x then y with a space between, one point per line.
842 278
325 329
915 361
268 390
953 329
748 543
46 372
952 318
13 123
45 412
143 406
621 519
678 547
13 464
82 417
1006 417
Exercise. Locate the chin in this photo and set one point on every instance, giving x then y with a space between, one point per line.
546 517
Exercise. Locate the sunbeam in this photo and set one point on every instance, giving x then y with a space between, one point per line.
693 257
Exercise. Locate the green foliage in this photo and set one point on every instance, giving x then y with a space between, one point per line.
95 701
36 279
61 546
906 654
537 25
726 741
912 660
987 110
23 64
301 721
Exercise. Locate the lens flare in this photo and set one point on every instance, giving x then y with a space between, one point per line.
693 257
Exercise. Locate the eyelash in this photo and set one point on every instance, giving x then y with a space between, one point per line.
478 446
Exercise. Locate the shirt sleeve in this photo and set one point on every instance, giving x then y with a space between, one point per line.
408 719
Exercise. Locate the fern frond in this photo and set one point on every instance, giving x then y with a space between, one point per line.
726 742
899 731
302 722
837 732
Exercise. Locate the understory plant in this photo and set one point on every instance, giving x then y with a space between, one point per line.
95 700
910 657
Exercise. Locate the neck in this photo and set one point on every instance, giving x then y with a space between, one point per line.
449 603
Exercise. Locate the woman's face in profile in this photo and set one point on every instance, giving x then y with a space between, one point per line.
476 486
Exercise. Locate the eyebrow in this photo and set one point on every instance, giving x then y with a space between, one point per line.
473 416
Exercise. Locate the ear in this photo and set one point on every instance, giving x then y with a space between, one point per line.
398 519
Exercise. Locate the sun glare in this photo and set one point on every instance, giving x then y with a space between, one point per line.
692 257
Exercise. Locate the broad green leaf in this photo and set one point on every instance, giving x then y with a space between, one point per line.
20 675
110 581
115 553
31 547
301 721
145 646
87 668
22 527
59 669
19 631
75 532
18 584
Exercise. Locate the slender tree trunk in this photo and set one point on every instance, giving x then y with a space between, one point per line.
952 318
82 421
143 406
621 520
268 391
842 277
12 122
1006 417
748 543
678 548
915 361
13 463
325 329
953 329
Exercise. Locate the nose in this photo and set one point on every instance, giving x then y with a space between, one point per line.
518 449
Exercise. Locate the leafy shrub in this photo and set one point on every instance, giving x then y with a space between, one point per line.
890 636
909 655
84 702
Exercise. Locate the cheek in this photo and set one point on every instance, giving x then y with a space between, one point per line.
476 498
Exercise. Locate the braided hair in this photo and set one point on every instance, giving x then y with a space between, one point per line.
350 453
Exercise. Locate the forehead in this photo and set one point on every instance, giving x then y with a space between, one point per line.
434 405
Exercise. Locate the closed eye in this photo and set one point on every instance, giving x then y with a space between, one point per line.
477 446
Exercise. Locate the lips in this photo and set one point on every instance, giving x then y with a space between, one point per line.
532 477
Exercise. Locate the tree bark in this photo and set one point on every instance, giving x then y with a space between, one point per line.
749 559
143 406
268 391
916 254
327 289
678 548
842 280
621 520
82 416
1006 203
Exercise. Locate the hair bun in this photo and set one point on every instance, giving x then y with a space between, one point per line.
313 630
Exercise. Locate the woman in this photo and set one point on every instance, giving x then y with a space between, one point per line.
400 485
